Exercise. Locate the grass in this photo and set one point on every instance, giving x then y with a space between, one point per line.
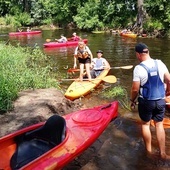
118 93
21 69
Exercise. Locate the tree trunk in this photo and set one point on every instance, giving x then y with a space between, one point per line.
141 14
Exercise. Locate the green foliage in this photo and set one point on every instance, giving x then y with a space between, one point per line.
152 24
86 14
22 69
159 11
118 93
23 18
88 18
2 21
10 20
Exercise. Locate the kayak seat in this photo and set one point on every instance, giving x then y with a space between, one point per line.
33 144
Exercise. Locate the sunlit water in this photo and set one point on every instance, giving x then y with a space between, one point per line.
126 151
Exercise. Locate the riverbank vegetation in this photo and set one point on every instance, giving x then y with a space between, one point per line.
21 69
120 94
137 15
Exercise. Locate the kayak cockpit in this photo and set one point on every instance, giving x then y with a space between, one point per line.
33 144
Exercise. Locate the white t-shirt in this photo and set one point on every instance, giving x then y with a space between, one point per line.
140 73
99 63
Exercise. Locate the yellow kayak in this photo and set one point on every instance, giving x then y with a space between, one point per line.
81 88
130 35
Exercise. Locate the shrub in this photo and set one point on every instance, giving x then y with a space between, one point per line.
20 69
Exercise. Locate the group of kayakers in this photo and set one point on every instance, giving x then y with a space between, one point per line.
63 39
28 29
93 66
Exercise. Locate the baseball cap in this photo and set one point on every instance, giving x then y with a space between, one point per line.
74 33
141 48
100 51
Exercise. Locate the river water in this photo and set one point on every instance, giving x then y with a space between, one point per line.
126 145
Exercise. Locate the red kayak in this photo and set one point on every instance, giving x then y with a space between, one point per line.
68 43
43 146
24 33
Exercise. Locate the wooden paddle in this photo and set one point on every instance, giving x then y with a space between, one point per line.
166 123
49 40
121 67
108 79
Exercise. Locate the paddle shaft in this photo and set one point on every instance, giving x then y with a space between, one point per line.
108 79
121 67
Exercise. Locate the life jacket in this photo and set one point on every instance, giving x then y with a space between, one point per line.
82 53
153 89
98 63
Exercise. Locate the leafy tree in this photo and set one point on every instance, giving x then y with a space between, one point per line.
88 16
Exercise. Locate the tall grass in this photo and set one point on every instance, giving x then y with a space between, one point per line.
20 69
118 93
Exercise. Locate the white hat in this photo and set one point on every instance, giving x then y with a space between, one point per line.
74 33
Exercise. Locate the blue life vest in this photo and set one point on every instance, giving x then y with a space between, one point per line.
153 89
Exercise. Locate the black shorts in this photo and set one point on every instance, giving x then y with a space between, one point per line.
151 109
84 60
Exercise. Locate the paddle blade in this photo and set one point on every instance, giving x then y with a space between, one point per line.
73 70
48 40
110 79
123 67
166 123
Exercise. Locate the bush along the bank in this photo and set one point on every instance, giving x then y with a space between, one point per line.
21 69
118 93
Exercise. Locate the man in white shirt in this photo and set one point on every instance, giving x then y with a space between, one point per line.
149 79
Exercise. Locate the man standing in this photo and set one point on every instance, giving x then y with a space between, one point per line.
149 80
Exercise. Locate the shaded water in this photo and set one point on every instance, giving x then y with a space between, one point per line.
126 150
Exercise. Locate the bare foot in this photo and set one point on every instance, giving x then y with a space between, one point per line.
151 155
165 156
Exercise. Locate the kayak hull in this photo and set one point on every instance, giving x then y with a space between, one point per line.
81 88
68 43
83 128
24 33
130 35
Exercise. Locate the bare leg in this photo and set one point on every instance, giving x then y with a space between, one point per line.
146 133
160 134
88 70
81 71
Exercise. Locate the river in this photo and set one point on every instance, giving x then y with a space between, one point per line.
126 150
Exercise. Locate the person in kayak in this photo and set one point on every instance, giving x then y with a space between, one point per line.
148 85
29 29
75 37
84 56
63 39
98 64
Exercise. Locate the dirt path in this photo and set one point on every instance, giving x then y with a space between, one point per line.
35 106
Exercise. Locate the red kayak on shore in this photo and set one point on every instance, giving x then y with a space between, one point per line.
53 144
68 43
24 33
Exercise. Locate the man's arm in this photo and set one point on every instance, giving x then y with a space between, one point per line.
134 90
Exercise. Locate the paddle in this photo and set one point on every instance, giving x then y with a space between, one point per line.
108 79
49 40
121 67
166 123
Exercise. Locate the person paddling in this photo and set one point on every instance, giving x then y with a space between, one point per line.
63 39
75 37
